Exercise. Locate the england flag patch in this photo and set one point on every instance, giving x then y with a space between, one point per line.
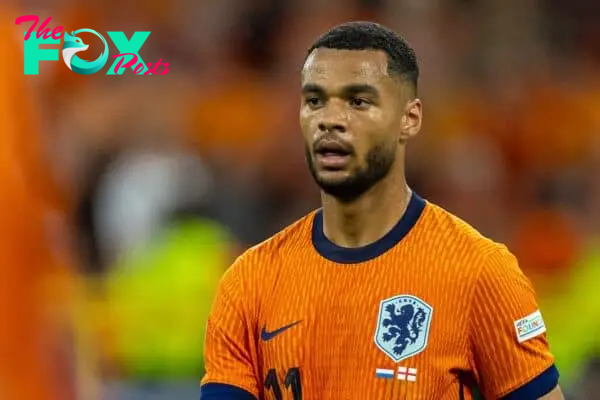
530 326
407 374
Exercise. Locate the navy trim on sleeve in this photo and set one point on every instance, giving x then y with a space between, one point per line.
221 391
538 387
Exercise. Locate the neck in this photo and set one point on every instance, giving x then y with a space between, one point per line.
368 218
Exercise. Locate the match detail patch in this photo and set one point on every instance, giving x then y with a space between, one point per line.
407 374
530 326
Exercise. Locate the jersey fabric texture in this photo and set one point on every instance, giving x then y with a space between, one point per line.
429 311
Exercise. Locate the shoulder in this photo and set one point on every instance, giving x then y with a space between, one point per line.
450 228
243 284
256 260
290 238
465 245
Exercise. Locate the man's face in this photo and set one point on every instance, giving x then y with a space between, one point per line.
350 116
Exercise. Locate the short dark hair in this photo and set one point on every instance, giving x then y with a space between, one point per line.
365 35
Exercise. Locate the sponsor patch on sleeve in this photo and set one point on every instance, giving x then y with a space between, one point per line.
530 326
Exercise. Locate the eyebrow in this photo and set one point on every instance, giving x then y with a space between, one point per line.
312 88
347 90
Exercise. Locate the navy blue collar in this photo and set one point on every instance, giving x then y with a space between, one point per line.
350 255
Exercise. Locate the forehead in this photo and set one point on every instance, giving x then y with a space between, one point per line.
331 66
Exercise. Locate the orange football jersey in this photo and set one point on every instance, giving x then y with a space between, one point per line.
429 311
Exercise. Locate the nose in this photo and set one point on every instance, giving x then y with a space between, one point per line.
332 120
332 126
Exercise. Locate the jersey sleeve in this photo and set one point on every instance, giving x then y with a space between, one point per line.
510 353
230 357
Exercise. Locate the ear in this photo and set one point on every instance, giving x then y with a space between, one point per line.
411 119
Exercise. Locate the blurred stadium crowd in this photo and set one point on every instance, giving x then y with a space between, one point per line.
124 198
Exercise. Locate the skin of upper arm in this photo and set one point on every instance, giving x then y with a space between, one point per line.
555 394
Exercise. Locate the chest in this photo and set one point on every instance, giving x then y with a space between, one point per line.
347 331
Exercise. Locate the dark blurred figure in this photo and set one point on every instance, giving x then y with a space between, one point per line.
257 29
587 387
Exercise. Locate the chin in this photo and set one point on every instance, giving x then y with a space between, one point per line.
337 177
341 187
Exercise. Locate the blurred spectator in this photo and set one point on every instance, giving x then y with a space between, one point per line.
35 285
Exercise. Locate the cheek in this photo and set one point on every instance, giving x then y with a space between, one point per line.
362 147
382 139
307 121
383 120
385 128
378 124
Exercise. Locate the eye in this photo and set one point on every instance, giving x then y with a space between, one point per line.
313 101
358 102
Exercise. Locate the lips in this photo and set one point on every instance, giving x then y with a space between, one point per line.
332 149
332 155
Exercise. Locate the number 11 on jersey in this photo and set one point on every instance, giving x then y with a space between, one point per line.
292 382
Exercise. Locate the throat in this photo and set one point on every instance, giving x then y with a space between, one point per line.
351 238
363 222
351 231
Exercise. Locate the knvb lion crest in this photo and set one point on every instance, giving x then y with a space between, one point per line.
403 326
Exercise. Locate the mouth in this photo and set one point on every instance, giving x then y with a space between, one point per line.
332 155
